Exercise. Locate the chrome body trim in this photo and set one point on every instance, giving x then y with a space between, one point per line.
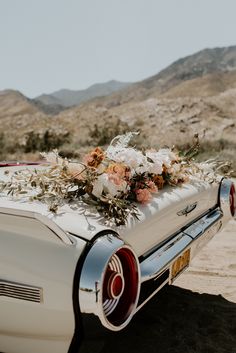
187 209
224 199
162 258
209 222
21 291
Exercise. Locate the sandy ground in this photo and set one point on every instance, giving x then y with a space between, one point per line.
196 315
213 270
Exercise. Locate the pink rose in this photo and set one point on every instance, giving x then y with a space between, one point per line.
114 178
143 196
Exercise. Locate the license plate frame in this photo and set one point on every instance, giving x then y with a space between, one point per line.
179 265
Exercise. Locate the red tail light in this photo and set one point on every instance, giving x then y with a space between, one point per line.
110 282
232 200
120 287
227 198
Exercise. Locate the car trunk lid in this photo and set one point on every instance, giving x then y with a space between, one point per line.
171 210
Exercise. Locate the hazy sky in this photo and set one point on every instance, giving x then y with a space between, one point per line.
51 44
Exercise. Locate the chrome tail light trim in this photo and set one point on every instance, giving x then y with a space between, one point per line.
225 197
102 257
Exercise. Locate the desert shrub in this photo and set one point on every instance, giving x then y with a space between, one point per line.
221 150
2 145
139 122
7 146
69 152
2 141
102 134
210 146
44 141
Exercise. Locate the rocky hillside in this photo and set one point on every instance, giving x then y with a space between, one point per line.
13 103
207 61
209 64
196 94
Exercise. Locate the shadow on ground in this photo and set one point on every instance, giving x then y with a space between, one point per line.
177 321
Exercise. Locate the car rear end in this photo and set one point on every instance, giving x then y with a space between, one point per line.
112 272
117 278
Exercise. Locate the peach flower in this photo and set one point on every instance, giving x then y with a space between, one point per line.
115 179
151 186
117 168
143 196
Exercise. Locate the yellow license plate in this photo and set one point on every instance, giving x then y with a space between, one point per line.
180 264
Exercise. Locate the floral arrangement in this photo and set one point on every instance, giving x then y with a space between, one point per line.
112 180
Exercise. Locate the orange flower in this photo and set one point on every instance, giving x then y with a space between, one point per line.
159 181
94 158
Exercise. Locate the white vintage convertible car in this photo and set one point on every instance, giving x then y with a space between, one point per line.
63 274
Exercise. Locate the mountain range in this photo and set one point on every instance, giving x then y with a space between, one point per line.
65 98
211 70
195 94
208 62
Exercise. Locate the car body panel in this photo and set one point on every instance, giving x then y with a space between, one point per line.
31 255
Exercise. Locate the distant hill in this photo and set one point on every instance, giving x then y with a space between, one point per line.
68 98
14 103
205 62
48 105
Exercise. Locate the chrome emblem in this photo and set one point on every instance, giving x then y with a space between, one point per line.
187 209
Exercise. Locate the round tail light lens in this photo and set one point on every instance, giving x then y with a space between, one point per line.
232 200
120 287
110 282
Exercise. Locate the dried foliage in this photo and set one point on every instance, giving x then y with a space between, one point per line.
111 181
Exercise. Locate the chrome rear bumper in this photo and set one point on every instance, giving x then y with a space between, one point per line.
156 266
